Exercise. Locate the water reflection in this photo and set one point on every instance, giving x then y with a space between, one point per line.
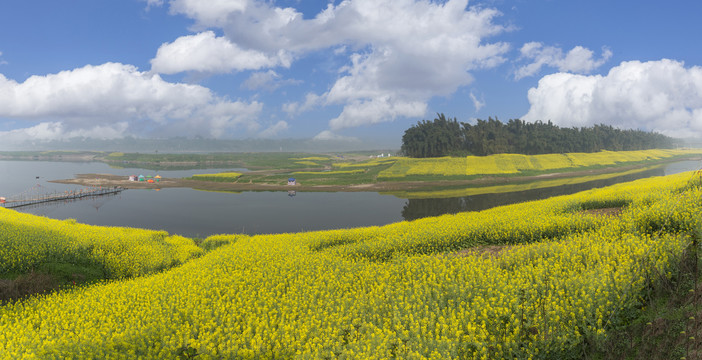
419 208
197 213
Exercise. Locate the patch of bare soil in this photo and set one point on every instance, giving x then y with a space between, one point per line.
26 285
361 186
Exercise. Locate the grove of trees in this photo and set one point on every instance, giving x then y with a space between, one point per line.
445 136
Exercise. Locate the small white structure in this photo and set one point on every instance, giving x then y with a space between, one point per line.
132 178
291 181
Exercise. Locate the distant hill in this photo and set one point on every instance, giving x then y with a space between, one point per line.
194 145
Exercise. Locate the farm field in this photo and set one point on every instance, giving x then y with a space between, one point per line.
543 183
29 242
511 164
564 278
327 170
396 175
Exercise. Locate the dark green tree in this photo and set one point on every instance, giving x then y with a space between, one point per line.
432 138
445 136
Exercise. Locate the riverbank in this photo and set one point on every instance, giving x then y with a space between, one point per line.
111 180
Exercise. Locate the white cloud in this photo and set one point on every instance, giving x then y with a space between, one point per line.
376 110
327 135
204 52
274 130
662 96
151 3
262 80
311 101
577 60
401 52
56 130
2 62
268 80
118 99
208 13
477 103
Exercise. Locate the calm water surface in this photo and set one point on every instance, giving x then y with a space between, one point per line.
199 213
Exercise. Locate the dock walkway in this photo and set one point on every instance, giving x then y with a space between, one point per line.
67 195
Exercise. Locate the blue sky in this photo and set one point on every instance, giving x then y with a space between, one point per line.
347 70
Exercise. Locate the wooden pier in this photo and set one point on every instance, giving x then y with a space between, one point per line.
57 196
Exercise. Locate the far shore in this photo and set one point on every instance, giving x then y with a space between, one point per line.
110 180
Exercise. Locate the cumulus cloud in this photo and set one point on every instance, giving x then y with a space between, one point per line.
663 96
578 60
376 110
312 100
268 80
56 130
204 52
327 135
114 100
393 48
274 130
207 13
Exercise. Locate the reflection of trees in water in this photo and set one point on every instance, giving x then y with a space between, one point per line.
419 208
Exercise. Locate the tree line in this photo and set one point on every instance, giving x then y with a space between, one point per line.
445 136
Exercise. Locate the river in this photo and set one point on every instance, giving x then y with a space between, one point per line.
195 213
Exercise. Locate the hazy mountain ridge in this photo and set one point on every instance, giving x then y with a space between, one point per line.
181 144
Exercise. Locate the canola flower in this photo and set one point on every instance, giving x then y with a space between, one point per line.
307 162
27 241
334 172
366 164
517 163
497 189
396 291
312 158
224 177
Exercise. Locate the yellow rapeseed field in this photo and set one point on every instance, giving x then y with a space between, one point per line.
516 163
27 241
496 189
565 279
224 176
